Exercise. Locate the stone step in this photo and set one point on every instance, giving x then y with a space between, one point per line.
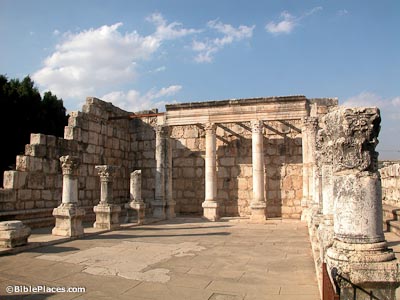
393 226
391 219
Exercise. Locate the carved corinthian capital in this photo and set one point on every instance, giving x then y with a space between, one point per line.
257 126
351 135
106 172
210 128
69 164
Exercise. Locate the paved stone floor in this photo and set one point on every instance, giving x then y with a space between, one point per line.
183 259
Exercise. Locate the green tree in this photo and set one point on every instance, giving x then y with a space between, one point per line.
22 112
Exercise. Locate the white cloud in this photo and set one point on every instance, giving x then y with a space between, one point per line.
134 101
206 49
56 32
342 12
165 31
288 22
97 60
390 107
284 26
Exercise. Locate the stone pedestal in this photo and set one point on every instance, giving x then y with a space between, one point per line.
107 216
359 251
13 234
68 220
136 203
210 204
69 215
258 204
107 213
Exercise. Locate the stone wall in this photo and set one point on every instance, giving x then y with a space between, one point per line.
33 189
283 166
390 176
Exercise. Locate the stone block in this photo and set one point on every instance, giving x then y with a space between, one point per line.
14 179
93 138
36 180
191 132
7 195
24 194
36 150
13 234
68 220
107 216
72 133
37 139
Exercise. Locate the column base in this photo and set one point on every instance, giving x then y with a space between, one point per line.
370 266
170 209
107 216
68 220
258 212
210 210
158 209
139 207
13 234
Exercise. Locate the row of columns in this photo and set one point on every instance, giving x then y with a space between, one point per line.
69 215
258 204
342 200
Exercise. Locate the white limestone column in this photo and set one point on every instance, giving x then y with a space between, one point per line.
359 249
106 173
170 202
69 166
136 186
311 192
107 213
69 215
136 203
159 202
258 205
210 204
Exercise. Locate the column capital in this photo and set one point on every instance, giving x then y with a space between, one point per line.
70 164
310 123
210 128
257 126
351 134
163 130
106 172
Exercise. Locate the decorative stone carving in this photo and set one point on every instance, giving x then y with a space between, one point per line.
13 234
107 213
136 202
359 249
356 140
68 214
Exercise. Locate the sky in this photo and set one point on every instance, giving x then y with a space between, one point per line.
144 54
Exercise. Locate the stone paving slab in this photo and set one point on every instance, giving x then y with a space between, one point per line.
185 258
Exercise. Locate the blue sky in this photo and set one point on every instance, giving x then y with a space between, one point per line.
144 54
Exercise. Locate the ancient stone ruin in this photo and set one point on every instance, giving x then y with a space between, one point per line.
278 157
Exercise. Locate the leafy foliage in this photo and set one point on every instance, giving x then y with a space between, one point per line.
22 112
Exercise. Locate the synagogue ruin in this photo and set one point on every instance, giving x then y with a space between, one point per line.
279 157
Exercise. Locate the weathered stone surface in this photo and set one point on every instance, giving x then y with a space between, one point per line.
359 248
13 234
